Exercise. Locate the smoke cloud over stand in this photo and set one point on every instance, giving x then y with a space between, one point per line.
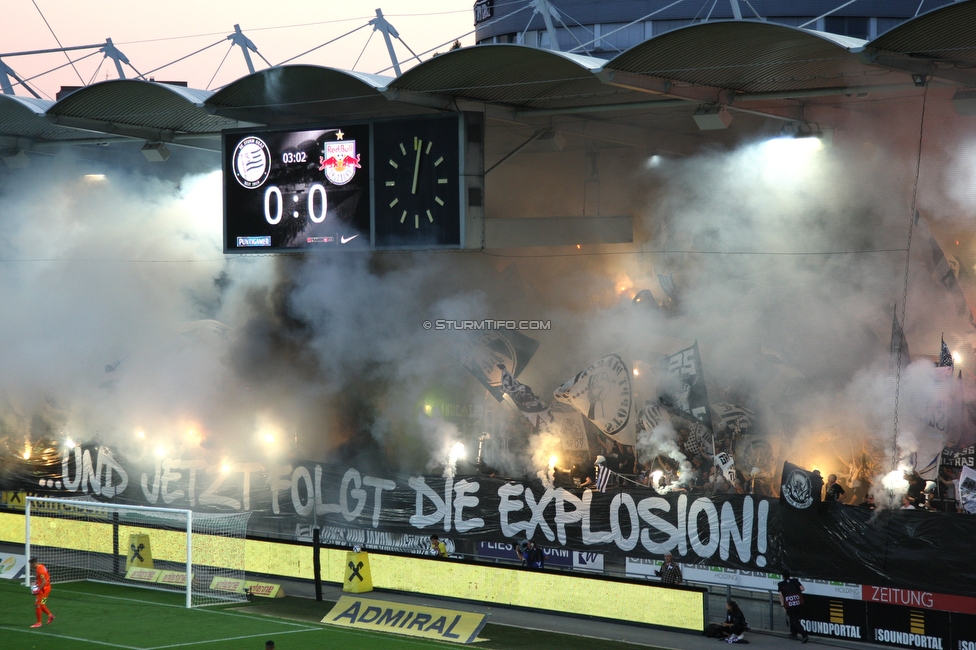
123 316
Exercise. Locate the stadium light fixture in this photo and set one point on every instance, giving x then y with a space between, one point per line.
155 152
712 117
17 160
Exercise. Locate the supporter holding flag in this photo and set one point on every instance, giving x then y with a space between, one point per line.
945 357
602 474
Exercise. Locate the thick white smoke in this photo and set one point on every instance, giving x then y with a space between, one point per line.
122 314
662 440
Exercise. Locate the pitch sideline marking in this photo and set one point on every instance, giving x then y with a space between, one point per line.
208 611
73 638
231 638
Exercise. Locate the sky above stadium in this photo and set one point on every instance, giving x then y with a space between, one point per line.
152 35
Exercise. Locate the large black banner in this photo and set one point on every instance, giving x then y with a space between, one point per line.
927 551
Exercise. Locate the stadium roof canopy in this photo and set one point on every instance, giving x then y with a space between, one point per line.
760 69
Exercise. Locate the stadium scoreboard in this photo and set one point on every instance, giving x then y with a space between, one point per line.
393 184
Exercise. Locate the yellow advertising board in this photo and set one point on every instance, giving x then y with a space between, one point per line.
173 578
140 554
264 589
143 575
411 620
227 584
358 579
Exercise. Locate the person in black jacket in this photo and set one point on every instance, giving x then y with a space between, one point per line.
791 598
735 625
531 555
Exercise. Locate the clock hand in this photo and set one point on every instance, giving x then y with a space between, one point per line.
416 166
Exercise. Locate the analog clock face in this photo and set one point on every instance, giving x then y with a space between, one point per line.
416 181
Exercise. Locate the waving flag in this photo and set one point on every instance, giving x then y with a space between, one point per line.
484 353
684 386
602 477
602 393
899 344
527 402
945 357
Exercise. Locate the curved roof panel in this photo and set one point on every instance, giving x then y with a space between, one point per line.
142 104
945 33
305 93
23 117
515 75
747 56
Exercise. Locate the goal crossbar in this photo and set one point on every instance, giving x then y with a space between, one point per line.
88 520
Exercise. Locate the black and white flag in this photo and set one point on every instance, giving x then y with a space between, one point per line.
800 489
602 393
899 344
683 388
667 285
482 353
945 356
603 474
527 402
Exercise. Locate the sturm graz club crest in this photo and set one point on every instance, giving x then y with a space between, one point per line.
252 162
797 489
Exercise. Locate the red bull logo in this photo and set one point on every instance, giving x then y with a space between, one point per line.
340 161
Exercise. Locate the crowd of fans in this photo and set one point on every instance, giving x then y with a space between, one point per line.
664 475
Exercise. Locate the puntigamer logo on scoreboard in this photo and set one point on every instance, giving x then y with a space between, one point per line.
252 162
250 242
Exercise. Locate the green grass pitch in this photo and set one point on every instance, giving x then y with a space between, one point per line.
94 616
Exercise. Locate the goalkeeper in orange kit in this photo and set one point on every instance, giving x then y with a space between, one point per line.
41 588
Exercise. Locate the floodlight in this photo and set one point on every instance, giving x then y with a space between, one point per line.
964 101
155 152
17 160
919 79
711 118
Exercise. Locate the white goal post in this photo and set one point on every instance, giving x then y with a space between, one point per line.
201 554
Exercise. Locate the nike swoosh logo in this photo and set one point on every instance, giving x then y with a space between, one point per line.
346 240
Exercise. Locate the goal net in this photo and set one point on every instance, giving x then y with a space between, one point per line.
156 548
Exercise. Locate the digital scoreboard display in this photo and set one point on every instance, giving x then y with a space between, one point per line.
286 190
392 184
